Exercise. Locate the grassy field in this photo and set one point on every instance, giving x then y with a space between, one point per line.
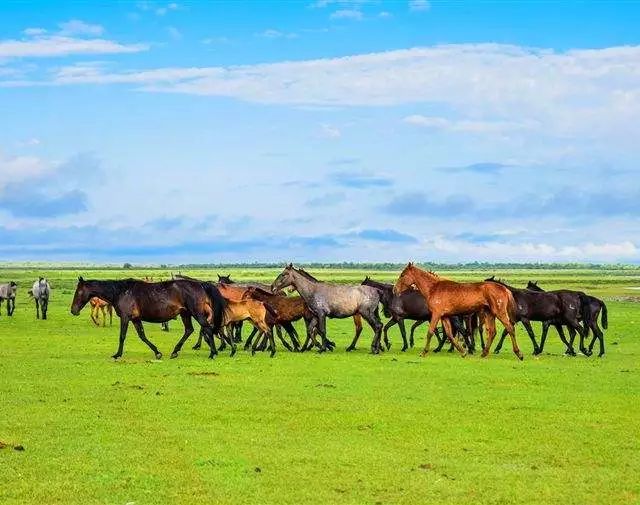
308 428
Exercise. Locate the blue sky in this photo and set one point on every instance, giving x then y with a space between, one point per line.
322 130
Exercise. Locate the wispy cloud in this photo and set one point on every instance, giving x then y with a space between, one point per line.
353 14
277 34
578 92
330 132
359 180
78 27
174 33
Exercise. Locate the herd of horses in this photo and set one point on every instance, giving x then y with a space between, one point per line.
455 311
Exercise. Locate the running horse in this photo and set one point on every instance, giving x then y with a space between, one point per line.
137 301
446 298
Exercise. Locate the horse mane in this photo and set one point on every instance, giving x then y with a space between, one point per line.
376 284
306 274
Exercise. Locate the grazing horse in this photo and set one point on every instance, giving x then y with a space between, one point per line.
590 308
539 306
407 305
446 298
137 301
98 306
335 301
8 292
40 292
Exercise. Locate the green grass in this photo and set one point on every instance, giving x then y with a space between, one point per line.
309 428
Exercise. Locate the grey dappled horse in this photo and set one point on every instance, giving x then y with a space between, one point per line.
41 291
335 301
8 292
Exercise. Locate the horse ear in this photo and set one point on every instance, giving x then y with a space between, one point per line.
289 266
80 279
410 264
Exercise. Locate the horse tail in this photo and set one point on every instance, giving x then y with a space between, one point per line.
585 309
603 317
219 305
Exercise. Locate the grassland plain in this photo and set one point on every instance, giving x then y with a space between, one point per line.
309 428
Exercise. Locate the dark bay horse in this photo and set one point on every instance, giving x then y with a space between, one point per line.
540 306
334 301
136 301
590 308
409 304
446 298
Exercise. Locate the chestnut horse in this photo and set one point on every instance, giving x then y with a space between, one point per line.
446 298
98 305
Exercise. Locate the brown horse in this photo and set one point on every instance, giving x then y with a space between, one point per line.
98 305
446 298
137 301
260 314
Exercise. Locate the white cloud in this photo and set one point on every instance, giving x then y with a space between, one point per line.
441 246
20 168
466 125
161 11
330 132
354 14
54 46
33 32
385 15
276 34
576 93
77 27
419 5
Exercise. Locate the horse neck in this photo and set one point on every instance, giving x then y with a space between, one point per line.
109 291
303 285
380 285
424 280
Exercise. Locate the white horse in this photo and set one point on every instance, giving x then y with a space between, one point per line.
40 293
8 292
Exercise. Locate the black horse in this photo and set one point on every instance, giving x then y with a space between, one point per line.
548 308
157 302
410 304
590 309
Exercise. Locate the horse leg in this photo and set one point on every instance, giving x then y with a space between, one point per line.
110 310
403 334
527 326
188 330
570 351
504 318
490 323
385 331
572 338
446 322
293 335
500 342
247 344
576 326
237 336
376 325
43 308
37 309
198 343
137 324
284 342
310 340
433 324
441 337
322 331
413 329
94 316
358 324
543 338
124 325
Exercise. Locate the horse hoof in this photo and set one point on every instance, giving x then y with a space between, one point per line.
600 355
423 354
403 349
173 355
520 356
196 347
272 354
496 351
233 353
158 355
349 349
116 356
